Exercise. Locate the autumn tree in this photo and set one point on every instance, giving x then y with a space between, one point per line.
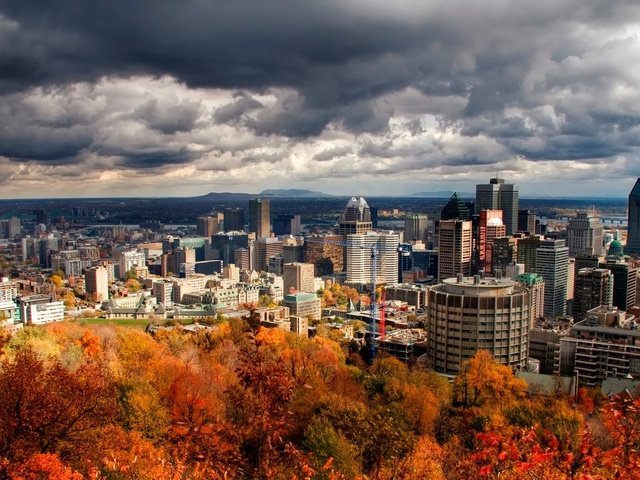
45 408
483 380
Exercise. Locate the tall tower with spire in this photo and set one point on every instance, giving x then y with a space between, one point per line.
633 221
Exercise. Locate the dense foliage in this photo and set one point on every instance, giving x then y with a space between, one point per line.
233 402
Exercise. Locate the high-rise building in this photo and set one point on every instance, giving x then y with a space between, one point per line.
584 234
97 283
260 217
285 224
360 261
498 195
526 251
207 226
356 217
224 245
490 227
298 277
415 228
264 249
552 263
455 209
325 253
625 279
505 253
465 316
535 284
233 219
454 248
593 287
633 221
526 221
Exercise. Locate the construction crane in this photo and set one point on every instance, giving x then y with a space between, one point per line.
377 310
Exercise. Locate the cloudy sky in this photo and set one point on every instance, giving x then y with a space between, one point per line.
165 97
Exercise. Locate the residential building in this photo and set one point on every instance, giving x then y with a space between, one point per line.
97 283
467 314
535 284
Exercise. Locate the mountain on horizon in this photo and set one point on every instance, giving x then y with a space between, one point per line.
292 192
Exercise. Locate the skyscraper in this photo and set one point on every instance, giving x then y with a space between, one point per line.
584 234
415 228
454 248
455 209
552 263
260 217
498 195
633 224
360 261
526 221
356 217
490 227
233 219
298 277
594 287
207 226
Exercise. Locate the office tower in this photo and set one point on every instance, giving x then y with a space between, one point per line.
490 227
224 245
633 221
260 217
233 219
454 249
465 316
405 262
625 279
361 249
586 261
552 263
526 250
325 253
593 287
415 228
584 234
264 249
207 226
505 252
356 218
243 258
455 209
527 221
97 283
285 224
498 195
298 277
231 272
293 253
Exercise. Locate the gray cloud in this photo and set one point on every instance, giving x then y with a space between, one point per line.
410 85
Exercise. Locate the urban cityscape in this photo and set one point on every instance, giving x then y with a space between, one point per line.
552 298
319 240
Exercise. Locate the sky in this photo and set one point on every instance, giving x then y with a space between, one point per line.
357 97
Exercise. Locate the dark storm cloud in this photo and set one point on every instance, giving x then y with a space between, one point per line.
242 104
546 80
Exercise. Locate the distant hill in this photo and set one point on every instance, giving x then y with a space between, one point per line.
443 194
292 192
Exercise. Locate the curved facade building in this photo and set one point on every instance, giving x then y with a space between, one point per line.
467 314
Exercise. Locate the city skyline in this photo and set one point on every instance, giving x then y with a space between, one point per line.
365 98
